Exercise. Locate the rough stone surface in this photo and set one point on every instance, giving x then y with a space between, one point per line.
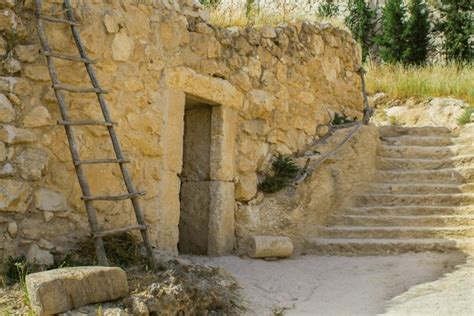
48 200
38 256
7 112
60 290
270 89
37 117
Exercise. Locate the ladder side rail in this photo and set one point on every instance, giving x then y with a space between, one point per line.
98 243
116 145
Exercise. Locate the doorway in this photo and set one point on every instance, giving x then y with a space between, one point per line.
195 193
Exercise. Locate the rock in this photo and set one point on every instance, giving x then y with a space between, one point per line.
203 28
7 112
7 84
246 187
48 216
3 151
3 47
268 31
11 65
378 99
7 170
13 135
36 255
37 117
122 46
61 290
27 53
261 103
12 229
43 243
48 200
270 246
139 307
31 163
111 24
322 130
15 196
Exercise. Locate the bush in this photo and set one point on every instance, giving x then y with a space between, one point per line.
341 119
284 171
328 9
465 118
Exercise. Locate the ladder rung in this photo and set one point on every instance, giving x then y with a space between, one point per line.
113 197
68 57
97 161
91 122
78 90
56 20
118 230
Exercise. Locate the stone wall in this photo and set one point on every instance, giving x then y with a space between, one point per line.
274 90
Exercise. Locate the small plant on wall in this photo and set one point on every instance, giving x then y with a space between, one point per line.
284 170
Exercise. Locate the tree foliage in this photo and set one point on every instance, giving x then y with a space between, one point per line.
360 21
392 40
457 26
417 34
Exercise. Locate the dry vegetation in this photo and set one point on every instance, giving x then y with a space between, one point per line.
422 82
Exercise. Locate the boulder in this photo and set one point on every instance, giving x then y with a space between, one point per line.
61 290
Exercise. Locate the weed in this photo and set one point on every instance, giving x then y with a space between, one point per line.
284 171
466 116
342 119
392 120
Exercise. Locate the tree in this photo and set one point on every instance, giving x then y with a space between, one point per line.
416 34
360 21
392 40
457 26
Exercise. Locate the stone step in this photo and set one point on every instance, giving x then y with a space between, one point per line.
417 188
433 152
388 163
418 141
394 131
402 220
374 247
452 199
410 210
425 141
449 176
401 232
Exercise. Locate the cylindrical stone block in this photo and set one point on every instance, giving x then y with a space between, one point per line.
270 246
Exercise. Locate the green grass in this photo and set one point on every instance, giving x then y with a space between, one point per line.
466 116
422 82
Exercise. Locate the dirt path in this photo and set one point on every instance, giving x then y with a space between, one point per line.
313 285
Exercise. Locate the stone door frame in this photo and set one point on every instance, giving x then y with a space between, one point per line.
179 83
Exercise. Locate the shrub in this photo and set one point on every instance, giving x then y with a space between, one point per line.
284 171
465 118
328 9
341 119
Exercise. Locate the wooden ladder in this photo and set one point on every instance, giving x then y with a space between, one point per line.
69 125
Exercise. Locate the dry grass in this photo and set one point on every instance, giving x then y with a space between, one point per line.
238 17
422 82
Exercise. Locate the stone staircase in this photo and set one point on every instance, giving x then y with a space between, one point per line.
420 199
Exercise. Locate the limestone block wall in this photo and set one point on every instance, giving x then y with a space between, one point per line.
274 88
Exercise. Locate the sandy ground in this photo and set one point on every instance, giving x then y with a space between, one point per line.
323 285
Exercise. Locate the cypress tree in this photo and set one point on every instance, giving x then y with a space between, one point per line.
360 21
457 26
416 34
392 40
